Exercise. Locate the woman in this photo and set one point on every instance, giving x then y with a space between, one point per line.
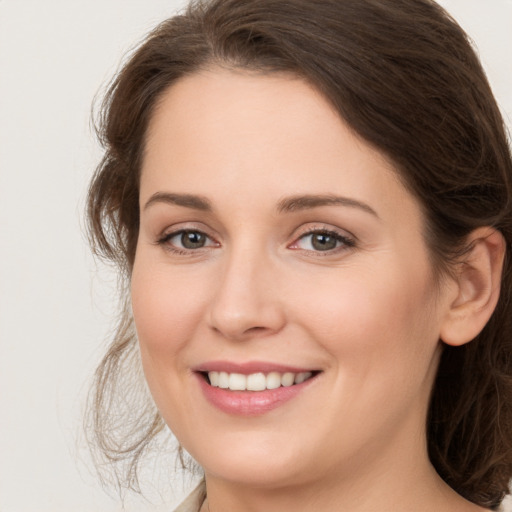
310 204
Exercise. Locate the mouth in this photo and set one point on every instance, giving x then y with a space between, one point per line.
258 381
252 388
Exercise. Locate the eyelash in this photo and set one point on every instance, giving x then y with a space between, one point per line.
345 241
164 241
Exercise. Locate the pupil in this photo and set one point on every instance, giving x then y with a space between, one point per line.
192 240
323 242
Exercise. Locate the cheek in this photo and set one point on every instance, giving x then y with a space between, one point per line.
382 341
167 309
375 322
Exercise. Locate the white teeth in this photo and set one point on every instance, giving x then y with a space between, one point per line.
237 382
256 381
301 377
273 380
288 379
223 380
214 378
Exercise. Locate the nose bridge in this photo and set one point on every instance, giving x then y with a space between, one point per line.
245 301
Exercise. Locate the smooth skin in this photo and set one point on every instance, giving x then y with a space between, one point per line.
273 268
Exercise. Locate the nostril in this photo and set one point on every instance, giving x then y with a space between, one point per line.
256 329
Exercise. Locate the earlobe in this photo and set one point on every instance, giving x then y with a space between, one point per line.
477 287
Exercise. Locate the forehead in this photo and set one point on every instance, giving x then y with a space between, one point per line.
261 133
252 105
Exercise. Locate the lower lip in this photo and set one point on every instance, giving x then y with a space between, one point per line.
250 403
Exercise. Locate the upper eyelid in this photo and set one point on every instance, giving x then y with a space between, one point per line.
324 228
171 234
186 226
347 240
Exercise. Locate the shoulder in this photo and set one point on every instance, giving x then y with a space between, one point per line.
194 500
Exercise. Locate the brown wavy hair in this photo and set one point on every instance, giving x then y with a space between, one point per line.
404 76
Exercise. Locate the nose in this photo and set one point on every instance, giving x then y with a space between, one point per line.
246 301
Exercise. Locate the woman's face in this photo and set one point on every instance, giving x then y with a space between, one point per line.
276 246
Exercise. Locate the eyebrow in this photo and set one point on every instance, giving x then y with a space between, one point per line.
186 200
286 205
304 202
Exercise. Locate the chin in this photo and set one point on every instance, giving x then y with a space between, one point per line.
257 460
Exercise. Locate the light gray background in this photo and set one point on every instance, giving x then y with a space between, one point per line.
55 303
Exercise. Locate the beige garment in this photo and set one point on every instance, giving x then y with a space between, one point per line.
194 500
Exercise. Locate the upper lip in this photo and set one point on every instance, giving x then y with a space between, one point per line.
249 367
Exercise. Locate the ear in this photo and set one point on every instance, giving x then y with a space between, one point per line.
477 287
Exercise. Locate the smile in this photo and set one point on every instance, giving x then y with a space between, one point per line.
252 389
256 381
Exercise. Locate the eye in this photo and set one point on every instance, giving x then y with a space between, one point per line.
322 241
186 240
